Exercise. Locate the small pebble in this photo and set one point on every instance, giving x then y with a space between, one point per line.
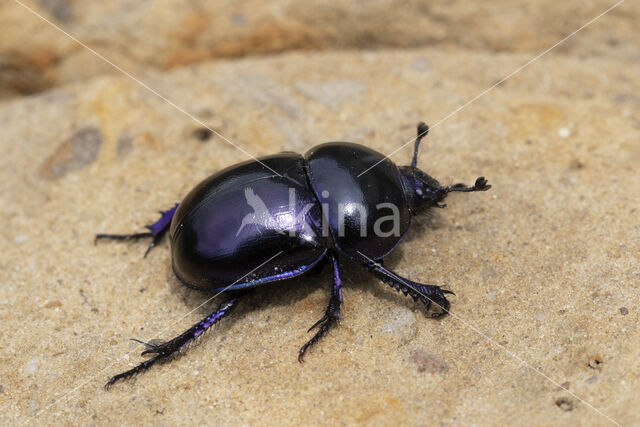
428 362
202 134
564 132
595 361
238 19
624 311
564 403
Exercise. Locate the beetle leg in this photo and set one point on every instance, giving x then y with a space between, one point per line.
332 314
428 294
165 350
156 230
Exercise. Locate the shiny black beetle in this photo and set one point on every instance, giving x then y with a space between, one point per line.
276 218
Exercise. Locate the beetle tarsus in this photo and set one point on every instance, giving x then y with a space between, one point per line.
157 230
132 372
134 236
169 348
332 314
327 323
156 239
423 130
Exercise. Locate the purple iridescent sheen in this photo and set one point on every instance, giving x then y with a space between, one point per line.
165 219
239 218
196 330
337 282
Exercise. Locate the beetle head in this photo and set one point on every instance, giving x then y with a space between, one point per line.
422 190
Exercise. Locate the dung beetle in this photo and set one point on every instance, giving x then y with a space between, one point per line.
280 216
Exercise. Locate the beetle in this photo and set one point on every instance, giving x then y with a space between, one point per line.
285 215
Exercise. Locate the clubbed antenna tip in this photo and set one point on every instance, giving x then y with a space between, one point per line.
423 130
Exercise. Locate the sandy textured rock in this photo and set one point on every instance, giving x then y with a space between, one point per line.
170 33
545 265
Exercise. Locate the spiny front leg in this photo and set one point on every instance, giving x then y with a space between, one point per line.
428 294
156 230
332 314
165 350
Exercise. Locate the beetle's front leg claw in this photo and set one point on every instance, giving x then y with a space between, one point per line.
438 297
434 298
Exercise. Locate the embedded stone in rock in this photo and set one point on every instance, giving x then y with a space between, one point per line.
75 153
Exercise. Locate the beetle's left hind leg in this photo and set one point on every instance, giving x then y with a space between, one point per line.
428 294
156 230
332 314
167 349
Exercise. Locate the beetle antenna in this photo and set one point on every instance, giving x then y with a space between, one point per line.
423 130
